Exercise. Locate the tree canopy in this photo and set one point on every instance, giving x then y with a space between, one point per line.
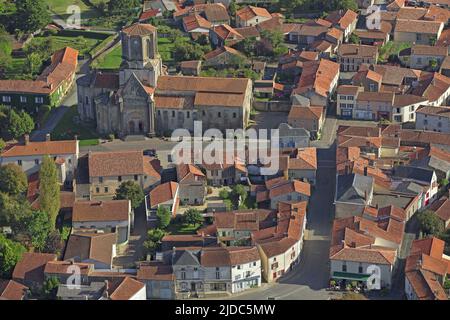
129 190
37 226
19 123
193 217
164 216
10 254
49 190
13 180
430 223
31 15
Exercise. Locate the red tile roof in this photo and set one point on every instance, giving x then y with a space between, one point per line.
317 76
52 148
155 271
195 21
127 289
63 66
116 163
163 193
250 12
31 266
12 290
109 210
139 29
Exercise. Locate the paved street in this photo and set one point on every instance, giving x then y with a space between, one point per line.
309 278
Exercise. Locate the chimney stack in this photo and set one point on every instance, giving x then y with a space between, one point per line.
26 139
47 137
365 171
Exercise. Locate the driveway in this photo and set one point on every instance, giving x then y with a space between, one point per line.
133 251
309 279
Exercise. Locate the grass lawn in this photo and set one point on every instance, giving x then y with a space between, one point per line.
111 61
166 46
67 128
391 48
60 8
82 44
181 228
15 70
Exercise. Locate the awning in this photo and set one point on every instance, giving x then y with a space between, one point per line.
351 276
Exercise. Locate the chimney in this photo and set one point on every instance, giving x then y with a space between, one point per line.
47 137
365 171
26 139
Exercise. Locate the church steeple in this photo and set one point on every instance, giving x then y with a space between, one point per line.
139 45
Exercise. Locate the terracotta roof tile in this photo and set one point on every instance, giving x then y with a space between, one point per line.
109 210
69 147
31 266
117 163
139 29
309 113
195 21
163 193
91 246
155 271
250 12
127 289
12 290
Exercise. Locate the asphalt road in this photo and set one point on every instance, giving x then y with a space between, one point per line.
309 279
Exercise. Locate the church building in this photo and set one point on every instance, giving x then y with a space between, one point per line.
142 100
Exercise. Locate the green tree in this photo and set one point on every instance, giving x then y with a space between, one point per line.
33 63
130 190
248 46
430 223
185 51
49 190
118 6
13 180
19 123
232 8
38 227
49 288
163 215
443 182
150 246
31 15
273 36
2 144
5 49
13 209
53 243
193 217
239 192
153 242
224 194
354 38
10 254
155 235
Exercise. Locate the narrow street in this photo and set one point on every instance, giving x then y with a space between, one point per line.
309 279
